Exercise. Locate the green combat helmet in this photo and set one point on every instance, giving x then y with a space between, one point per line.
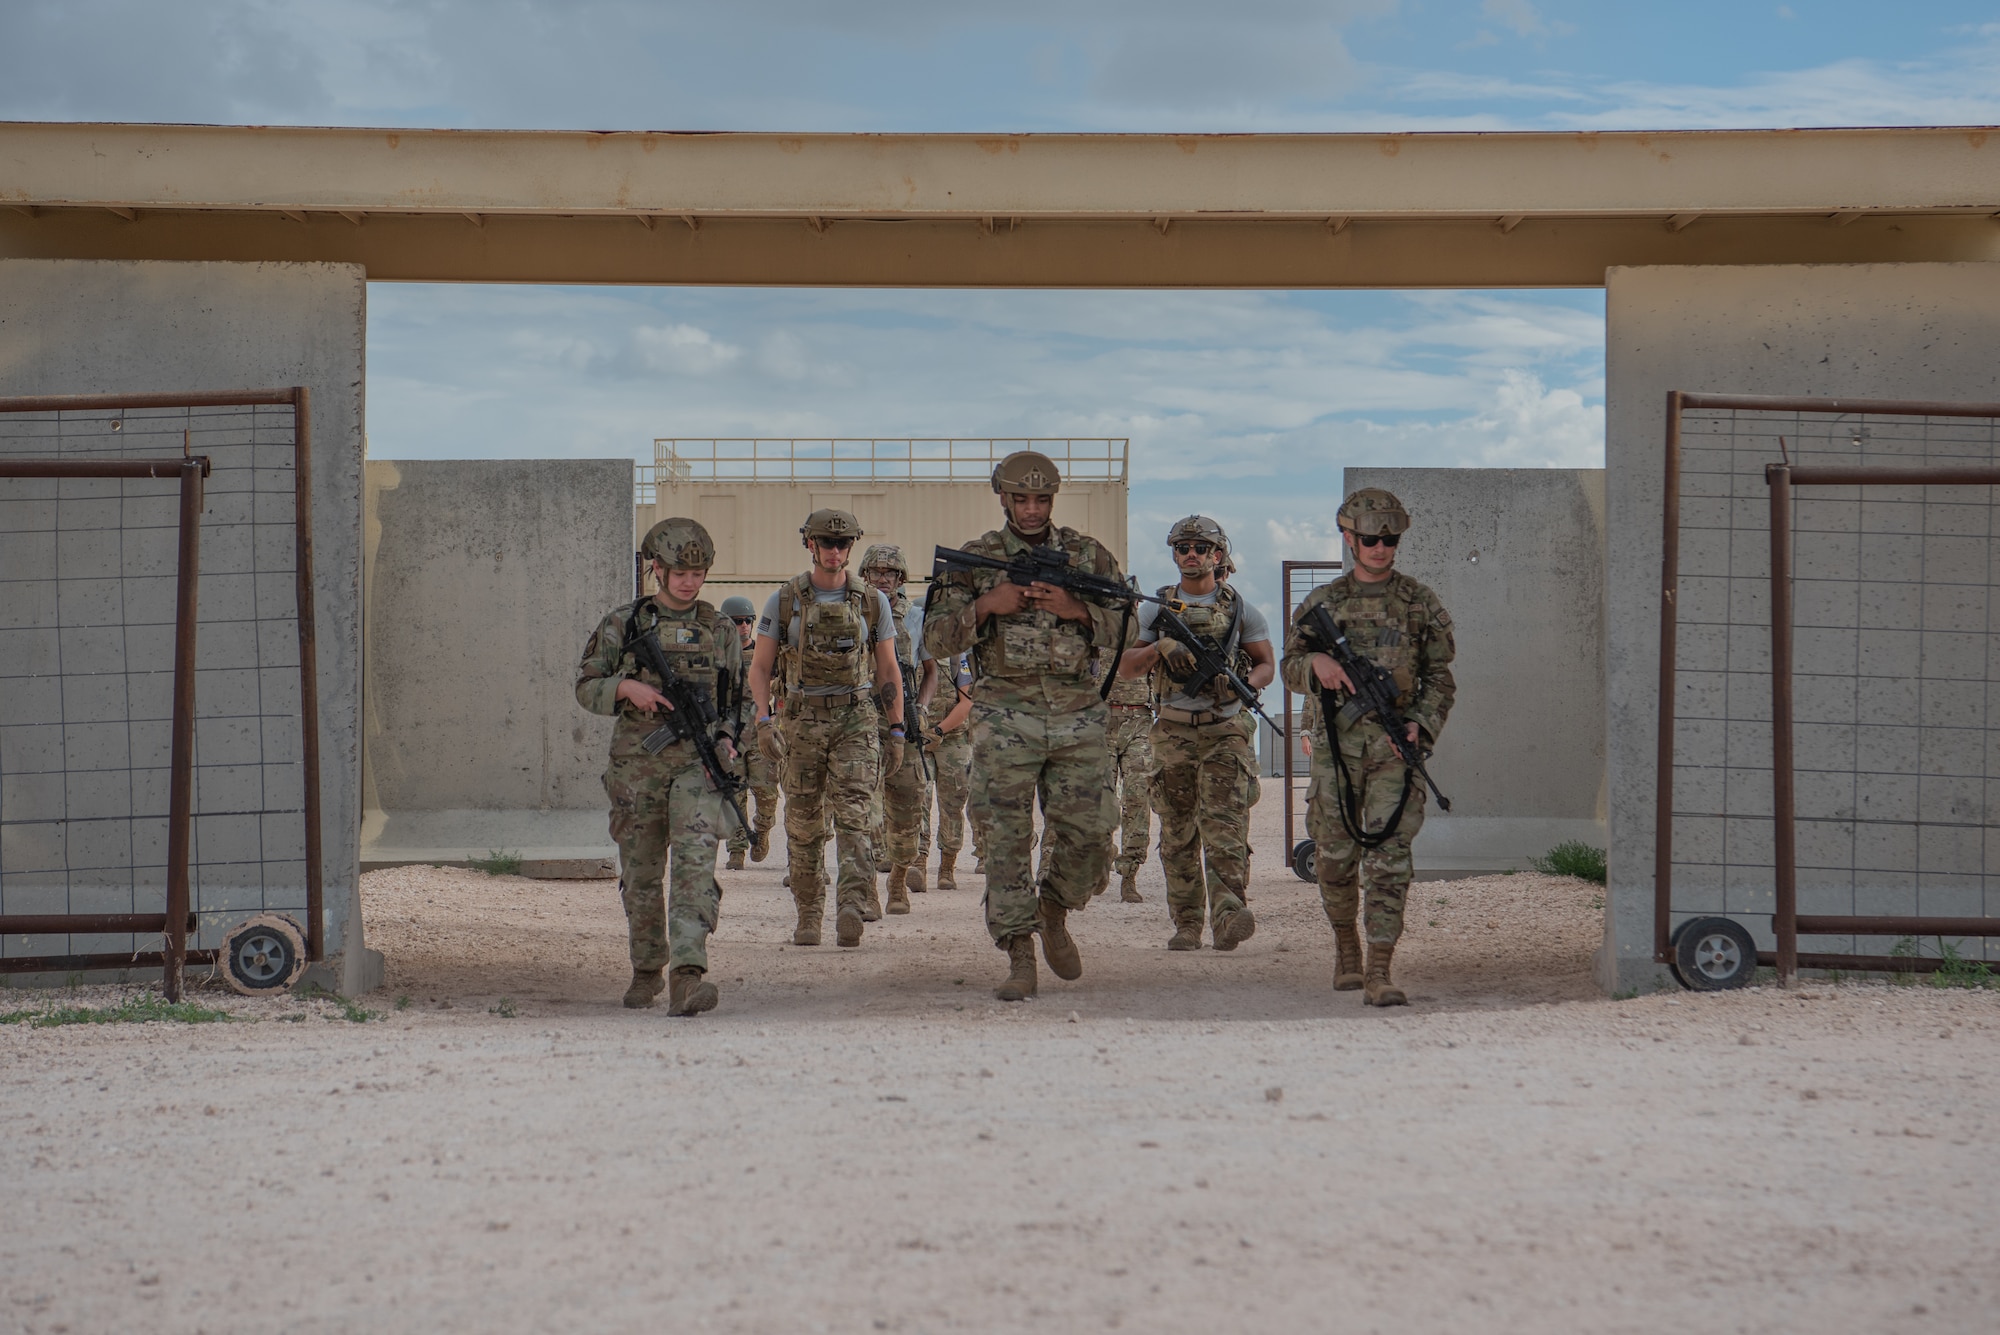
831 524
1373 510
1027 472
679 544
737 608
1199 528
885 555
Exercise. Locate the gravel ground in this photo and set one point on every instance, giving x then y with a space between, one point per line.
864 1140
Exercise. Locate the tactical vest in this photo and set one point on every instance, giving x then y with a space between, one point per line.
1218 625
1384 626
833 647
1033 643
906 651
687 640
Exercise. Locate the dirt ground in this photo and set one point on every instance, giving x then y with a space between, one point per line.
865 1140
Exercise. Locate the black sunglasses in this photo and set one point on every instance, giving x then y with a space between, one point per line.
743 621
838 544
1371 539
1193 548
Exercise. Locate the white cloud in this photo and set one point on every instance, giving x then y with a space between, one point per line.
682 349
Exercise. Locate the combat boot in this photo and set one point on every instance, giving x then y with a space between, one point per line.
688 993
913 880
735 859
646 985
1187 931
1377 990
899 894
807 932
760 845
1347 956
1235 928
946 879
1020 984
1128 888
1058 946
847 927
978 864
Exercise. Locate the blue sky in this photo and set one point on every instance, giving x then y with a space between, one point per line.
1245 405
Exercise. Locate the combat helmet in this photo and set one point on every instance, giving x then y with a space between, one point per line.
831 524
1199 528
885 554
736 607
679 544
1373 510
1028 472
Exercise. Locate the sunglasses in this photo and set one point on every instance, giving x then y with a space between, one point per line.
837 544
1373 539
1193 548
743 621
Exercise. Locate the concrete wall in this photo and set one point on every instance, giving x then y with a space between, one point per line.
1517 556
74 327
483 580
1911 331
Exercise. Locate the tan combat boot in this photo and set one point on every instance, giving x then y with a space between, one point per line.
1020 984
688 993
1128 888
899 894
847 927
1234 928
946 880
1058 946
760 845
646 985
735 859
871 907
914 880
1377 990
1347 958
810 909
1187 931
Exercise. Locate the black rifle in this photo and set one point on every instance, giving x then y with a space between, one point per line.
1046 565
692 713
1374 693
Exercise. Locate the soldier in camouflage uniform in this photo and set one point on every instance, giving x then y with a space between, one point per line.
902 792
757 771
1037 721
663 804
1204 772
947 716
1129 739
1398 623
831 639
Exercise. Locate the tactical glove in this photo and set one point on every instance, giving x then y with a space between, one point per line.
770 741
1176 658
892 755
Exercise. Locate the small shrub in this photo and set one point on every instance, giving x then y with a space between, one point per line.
403 1002
504 1008
139 1009
1902 973
1573 857
497 862
1958 971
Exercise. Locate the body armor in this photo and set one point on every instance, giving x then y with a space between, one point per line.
1219 625
833 647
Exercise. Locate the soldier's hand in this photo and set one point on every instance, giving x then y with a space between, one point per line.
725 747
1002 600
1175 657
1330 674
1066 605
770 741
642 697
893 753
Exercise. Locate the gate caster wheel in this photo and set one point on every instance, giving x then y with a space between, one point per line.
262 956
1305 862
1713 955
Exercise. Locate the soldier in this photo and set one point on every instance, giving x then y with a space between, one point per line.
757 770
1204 773
662 803
947 711
1364 806
836 636
1037 722
900 795
1129 739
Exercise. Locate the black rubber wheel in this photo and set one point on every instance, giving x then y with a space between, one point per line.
1713 955
262 956
1305 863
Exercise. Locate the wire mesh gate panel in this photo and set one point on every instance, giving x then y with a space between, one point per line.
1837 775
87 621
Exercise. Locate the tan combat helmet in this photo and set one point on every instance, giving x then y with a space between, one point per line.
1373 510
1199 528
831 524
679 544
885 555
1027 472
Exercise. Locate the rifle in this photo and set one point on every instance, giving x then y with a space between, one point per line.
691 714
1374 693
1049 566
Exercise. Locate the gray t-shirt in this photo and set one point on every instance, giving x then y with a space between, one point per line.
1253 629
885 627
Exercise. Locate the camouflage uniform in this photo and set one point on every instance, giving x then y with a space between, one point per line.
899 798
661 804
757 772
1400 624
952 756
1129 739
1037 733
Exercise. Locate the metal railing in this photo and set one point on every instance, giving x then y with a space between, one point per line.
681 459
